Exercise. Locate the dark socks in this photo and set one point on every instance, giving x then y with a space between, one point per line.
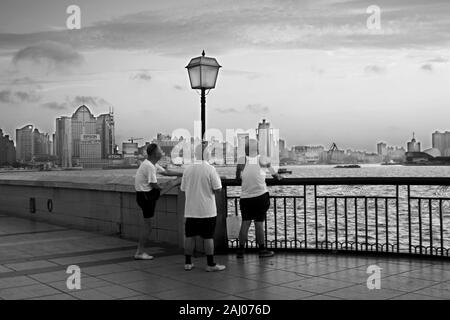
187 259
210 260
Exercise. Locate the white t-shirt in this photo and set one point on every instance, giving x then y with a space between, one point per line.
145 175
254 178
199 182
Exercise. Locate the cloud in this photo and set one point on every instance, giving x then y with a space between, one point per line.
439 60
19 96
371 69
51 54
142 75
23 81
89 101
257 108
182 29
427 67
55 105
178 87
226 110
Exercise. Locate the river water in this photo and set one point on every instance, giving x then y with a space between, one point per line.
334 223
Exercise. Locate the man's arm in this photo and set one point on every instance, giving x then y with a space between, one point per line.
239 168
266 164
155 186
171 173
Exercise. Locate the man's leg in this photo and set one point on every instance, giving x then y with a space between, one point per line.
243 236
259 230
263 252
209 250
144 235
189 245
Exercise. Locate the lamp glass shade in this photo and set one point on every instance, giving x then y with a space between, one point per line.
203 72
195 76
209 76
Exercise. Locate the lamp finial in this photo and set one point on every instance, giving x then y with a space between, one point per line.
203 53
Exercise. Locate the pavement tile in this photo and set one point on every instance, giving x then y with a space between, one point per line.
190 293
105 269
427 273
318 284
16 281
275 293
403 283
152 287
61 296
276 277
361 292
30 265
118 292
25 292
415 296
91 294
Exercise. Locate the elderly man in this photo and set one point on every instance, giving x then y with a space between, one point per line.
254 200
147 194
200 182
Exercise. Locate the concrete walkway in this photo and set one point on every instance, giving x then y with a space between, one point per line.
34 257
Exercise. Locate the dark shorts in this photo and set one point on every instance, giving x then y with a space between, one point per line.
255 208
147 202
203 227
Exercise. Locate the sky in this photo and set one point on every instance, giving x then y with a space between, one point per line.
312 68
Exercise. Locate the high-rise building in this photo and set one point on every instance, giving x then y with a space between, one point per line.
242 139
413 145
42 144
63 141
441 141
264 136
7 150
90 150
283 150
25 143
32 144
105 128
83 122
381 149
84 139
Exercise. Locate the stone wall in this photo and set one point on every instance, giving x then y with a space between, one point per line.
105 208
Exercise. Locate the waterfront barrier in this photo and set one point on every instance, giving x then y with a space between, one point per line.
394 215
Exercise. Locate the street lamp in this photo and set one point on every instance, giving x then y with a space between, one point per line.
203 73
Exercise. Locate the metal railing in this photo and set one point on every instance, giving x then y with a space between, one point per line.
359 214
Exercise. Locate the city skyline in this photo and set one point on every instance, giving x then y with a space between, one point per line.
166 134
313 68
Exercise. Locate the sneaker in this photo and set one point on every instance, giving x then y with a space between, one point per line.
239 253
217 267
188 266
266 253
143 256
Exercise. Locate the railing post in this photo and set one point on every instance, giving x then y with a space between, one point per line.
221 234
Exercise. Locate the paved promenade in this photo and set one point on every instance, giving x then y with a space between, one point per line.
34 258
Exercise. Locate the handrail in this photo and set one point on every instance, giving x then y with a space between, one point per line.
416 181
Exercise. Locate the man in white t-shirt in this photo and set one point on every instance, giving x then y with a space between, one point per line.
200 182
255 200
147 193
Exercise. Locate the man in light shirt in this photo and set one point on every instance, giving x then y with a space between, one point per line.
200 182
147 194
255 200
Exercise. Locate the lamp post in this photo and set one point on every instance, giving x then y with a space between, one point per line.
203 73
